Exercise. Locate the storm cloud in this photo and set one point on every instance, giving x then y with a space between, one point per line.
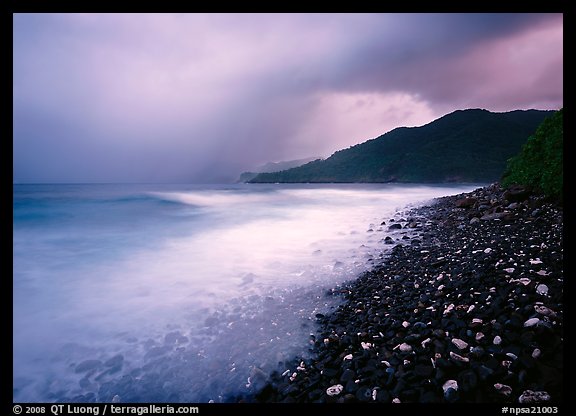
202 97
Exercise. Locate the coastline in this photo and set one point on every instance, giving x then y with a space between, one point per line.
469 310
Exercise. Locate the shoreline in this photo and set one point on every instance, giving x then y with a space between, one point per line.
470 310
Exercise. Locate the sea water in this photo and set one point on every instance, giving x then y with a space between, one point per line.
183 293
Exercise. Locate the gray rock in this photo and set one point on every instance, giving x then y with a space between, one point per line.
543 310
334 390
460 344
531 322
450 384
542 289
405 347
465 202
457 357
450 389
530 396
503 389
516 193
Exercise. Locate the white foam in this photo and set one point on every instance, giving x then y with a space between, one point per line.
257 258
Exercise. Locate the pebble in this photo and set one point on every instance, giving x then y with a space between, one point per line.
457 357
364 394
450 384
450 389
531 322
405 347
503 389
334 390
460 344
529 396
543 310
542 289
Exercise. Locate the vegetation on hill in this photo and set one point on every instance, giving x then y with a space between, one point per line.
539 165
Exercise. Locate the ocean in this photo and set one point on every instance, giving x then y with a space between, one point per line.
184 293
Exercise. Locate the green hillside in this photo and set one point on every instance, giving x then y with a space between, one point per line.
539 165
464 146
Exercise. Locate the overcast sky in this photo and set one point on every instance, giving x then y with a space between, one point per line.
203 97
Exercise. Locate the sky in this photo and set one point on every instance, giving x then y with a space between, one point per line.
200 98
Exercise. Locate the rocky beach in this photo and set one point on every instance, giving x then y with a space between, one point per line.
467 307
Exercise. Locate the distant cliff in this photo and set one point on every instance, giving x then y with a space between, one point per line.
464 146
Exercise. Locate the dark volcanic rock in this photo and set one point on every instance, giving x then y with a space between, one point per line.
465 202
462 308
516 194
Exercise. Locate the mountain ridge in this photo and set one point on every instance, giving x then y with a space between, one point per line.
470 145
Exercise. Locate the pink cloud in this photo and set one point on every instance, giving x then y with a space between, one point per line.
520 71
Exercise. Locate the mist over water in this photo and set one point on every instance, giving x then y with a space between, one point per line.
182 293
